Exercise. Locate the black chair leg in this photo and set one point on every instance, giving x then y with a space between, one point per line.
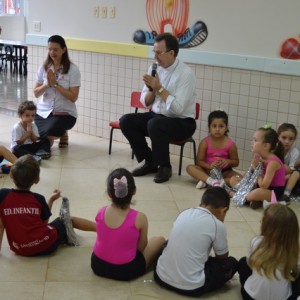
180 159
194 147
110 140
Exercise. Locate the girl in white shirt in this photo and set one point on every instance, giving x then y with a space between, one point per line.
287 134
271 270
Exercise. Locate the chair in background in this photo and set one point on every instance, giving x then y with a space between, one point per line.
9 58
2 55
136 104
182 143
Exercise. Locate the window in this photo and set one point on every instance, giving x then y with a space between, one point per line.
11 8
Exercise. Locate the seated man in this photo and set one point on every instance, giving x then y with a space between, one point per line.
171 96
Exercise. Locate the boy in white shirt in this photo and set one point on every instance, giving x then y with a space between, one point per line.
185 265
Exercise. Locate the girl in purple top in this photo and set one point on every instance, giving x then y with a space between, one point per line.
269 151
122 250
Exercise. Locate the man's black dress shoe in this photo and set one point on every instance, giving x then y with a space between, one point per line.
163 174
145 169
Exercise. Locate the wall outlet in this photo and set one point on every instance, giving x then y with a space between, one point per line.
112 12
104 12
96 11
37 26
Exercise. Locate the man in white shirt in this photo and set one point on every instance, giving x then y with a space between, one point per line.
171 96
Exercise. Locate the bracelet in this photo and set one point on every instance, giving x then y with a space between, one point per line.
160 90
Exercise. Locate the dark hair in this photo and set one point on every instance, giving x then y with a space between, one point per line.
26 105
171 41
65 60
271 137
25 171
218 114
287 127
216 197
121 202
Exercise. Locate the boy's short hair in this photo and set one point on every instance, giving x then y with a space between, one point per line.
25 171
26 105
216 197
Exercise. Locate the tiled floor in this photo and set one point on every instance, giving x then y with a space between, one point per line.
80 172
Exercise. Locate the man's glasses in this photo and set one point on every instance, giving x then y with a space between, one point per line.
160 53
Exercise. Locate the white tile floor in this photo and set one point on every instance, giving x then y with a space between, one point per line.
80 172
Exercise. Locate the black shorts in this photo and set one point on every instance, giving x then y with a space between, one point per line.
124 272
59 225
278 190
217 273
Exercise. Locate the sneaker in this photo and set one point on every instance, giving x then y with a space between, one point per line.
144 37
145 169
194 36
201 185
38 159
5 169
215 182
256 204
284 198
43 154
268 203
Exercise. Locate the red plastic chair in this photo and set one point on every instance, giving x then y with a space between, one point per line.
188 140
135 102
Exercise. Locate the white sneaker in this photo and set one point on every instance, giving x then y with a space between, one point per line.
201 185
268 203
216 182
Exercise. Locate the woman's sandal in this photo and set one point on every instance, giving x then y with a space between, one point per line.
64 141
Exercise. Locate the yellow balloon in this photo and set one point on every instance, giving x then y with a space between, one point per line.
169 3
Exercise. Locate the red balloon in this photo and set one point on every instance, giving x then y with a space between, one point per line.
290 49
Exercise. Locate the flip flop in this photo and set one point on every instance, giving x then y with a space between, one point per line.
64 141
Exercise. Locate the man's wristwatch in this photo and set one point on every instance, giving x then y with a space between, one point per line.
160 90
55 85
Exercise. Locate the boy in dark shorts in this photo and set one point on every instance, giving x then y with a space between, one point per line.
185 265
24 214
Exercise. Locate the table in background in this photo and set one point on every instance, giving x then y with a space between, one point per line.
20 55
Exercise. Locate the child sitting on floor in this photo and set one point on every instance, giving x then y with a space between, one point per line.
271 270
185 265
287 134
24 215
268 151
215 151
7 155
122 250
25 134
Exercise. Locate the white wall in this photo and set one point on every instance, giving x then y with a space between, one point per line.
245 27
13 28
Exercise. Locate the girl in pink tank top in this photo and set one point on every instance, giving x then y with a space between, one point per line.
122 250
215 151
269 150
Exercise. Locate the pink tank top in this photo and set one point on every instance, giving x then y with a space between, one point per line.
213 154
116 245
279 176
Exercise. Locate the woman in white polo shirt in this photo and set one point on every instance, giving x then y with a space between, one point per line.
57 83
